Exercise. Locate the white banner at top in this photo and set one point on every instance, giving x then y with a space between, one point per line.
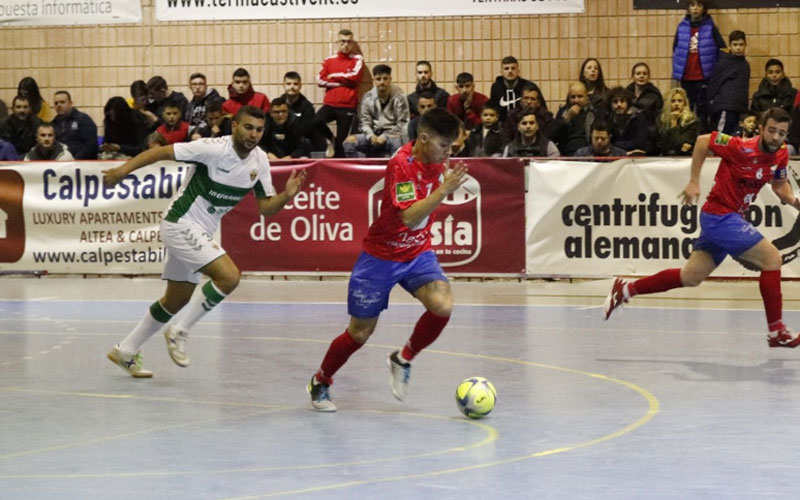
207 10
68 12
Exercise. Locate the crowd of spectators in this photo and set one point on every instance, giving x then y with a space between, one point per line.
513 120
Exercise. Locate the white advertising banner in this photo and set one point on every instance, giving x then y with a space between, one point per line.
60 218
69 12
208 10
625 218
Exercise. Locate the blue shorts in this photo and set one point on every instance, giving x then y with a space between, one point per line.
723 235
373 278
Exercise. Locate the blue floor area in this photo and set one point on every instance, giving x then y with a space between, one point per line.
655 403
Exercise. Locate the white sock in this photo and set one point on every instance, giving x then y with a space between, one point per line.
198 308
146 328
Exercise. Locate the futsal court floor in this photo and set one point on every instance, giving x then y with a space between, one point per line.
675 397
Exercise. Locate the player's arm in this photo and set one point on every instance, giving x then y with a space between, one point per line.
692 190
271 205
453 179
112 176
783 190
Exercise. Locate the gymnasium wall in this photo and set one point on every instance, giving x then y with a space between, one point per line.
96 63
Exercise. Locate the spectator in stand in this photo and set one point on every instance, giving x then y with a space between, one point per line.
201 96
678 126
596 90
728 86
629 128
29 88
3 109
529 143
139 100
156 140
7 151
74 128
19 128
282 139
487 140
775 89
601 145
125 130
425 82
506 90
426 101
47 148
303 110
242 94
340 76
748 125
174 129
573 121
218 124
383 118
159 94
531 98
467 104
646 96
695 51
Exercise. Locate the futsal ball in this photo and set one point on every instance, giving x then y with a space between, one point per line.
475 397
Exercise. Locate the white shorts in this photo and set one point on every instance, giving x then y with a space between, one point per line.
189 248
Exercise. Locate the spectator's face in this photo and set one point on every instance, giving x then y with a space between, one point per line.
530 99
677 103
619 105
383 83
346 44
489 117
22 109
423 74
600 141
528 127
140 101
465 89
577 95
775 75
738 47
157 95
292 86
424 105
172 116
641 75
591 71
695 10
241 84
749 123
773 135
45 137
198 87
62 104
511 71
279 113
213 118
247 133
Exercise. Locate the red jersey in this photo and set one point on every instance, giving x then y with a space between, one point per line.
178 134
340 76
743 171
406 182
694 71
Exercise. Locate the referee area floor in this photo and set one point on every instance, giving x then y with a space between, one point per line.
675 397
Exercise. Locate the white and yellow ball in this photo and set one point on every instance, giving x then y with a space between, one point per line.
475 397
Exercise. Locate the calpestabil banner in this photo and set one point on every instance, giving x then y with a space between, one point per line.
69 12
210 10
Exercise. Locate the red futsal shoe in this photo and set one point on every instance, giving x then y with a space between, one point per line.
615 298
783 338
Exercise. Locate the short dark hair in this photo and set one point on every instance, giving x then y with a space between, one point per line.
490 105
509 60
292 75
44 125
249 111
530 86
773 62
197 75
20 98
171 104
464 78
345 32
600 126
138 88
620 92
279 101
702 3
779 115
527 112
381 69
737 35
423 63
155 84
439 122
214 106
69 97
426 94
240 72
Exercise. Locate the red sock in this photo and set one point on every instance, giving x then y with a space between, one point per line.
770 285
338 353
659 282
428 328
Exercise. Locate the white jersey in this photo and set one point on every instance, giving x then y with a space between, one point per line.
217 181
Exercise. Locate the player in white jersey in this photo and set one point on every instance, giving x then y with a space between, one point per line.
224 170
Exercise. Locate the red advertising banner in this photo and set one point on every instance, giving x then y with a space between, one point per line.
479 229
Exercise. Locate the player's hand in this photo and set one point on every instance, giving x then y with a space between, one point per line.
111 177
686 147
295 182
454 176
380 140
690 194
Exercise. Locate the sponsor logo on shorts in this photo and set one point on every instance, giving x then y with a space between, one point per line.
404 191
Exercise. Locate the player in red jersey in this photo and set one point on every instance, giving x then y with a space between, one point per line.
397 249
745 166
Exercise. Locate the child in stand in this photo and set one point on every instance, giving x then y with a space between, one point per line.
174 129
486 140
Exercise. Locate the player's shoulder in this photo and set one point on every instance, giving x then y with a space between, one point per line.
720 139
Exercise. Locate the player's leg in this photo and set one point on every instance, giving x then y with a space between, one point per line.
344 123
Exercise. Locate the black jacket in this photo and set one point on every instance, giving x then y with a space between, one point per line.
20 133
78 131
629 131
440 95
669 142
768 96
729 84
480 146
507 99
650 101
285 140
573 135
